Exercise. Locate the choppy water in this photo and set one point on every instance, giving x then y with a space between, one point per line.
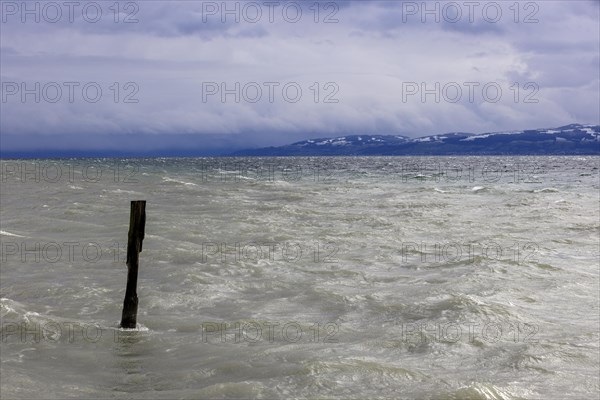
424 278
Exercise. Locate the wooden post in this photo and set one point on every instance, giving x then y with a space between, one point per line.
137 224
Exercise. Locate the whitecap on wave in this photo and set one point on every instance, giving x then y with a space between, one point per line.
167 179
546 190
5 233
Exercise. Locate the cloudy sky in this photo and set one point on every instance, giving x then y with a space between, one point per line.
229 75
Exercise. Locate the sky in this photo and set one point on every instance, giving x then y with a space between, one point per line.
214 76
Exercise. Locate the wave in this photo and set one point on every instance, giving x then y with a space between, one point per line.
5 233
167 179
546 190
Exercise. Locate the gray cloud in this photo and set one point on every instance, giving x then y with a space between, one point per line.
364 61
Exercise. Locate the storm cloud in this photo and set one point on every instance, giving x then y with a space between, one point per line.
246 74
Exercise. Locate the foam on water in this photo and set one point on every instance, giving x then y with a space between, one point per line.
11 234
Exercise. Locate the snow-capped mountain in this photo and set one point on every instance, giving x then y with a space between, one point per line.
569 139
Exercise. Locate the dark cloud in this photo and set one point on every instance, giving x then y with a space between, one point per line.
363 57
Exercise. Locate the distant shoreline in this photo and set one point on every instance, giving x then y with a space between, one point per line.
69 157
568 140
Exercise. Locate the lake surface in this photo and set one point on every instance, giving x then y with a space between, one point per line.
382 277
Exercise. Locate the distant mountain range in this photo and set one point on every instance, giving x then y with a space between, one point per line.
571 139
574 139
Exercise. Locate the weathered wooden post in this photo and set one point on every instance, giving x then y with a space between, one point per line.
137 224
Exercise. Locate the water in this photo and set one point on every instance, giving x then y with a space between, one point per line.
419 278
